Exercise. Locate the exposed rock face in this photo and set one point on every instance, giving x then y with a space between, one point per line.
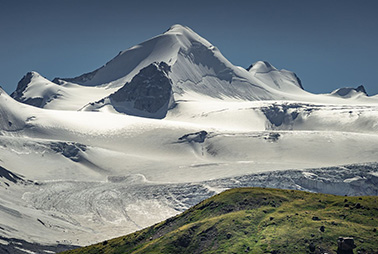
68 149
21 87
361 88
283 115
6 174
198 137
149 90
345 245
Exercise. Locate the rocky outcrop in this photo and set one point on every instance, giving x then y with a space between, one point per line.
149 90
345 245
21 86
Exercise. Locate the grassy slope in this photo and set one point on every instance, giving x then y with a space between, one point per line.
257 220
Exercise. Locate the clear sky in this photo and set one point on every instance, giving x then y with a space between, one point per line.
327 43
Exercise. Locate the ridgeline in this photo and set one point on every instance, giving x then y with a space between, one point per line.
258 220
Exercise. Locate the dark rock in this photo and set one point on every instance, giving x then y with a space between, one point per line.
271 218
312 247
358 206
280 114
272 137
316 218
4 173
104 242
322 228
183 241
198 137
362 89
149 91
69 150
345 245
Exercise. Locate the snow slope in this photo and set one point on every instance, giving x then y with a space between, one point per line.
164 125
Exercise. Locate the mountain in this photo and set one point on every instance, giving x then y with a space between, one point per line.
197 69
161 127
348 92
29 90
255 220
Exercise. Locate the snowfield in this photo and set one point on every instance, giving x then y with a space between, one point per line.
162 126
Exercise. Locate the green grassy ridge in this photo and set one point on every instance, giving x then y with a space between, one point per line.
257 220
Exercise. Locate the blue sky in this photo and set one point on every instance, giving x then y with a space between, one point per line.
328 44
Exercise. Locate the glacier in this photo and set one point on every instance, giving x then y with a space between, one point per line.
160 127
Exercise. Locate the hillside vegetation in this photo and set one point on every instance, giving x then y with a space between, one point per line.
258 220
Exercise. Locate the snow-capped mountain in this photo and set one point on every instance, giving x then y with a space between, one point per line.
197 68
160 127
349 92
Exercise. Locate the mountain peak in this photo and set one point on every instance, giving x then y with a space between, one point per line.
261 66
178 28
35 90
23 83
348 92
361 88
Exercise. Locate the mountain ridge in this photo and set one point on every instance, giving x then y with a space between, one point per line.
197 67
256 220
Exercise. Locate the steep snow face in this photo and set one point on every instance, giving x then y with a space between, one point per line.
277 79
148 94
13 115
162 48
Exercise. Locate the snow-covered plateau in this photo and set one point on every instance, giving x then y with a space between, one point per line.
160 127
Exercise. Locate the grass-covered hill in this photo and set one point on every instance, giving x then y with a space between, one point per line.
258 220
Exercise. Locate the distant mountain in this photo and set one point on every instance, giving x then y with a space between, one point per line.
349 92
